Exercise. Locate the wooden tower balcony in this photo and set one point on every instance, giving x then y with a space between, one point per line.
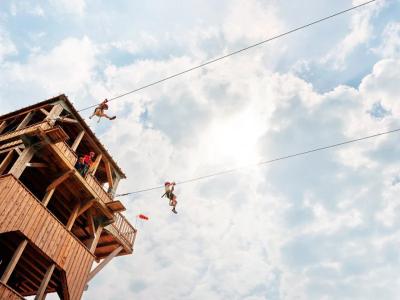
54 220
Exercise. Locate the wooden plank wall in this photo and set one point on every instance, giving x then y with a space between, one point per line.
98 189
68 153
20 210
7 293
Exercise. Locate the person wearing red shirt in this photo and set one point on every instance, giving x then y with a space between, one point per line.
88 161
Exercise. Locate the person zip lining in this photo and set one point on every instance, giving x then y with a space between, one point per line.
99 111
169 192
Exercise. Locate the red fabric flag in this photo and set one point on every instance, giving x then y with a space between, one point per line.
143 217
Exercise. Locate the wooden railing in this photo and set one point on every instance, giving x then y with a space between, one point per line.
15 134
68 153
123 228
95 185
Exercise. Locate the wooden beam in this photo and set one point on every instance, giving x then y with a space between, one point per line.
85 207
20 164
10 145
25 120
36 165
43 286
60 180
100 266
13 262
18 151
73 216
78 140
69 120
47 196
92 226
95 165
97 235
54 113
112 189
45 112
6 161
109 174
3 126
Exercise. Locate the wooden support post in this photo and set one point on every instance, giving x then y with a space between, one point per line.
109 174
45 112
111 190
47 196
69 120
85 207
13 262
73 216
97 235
3 126
21 162
43 286
92 226
6 161
18 151
52 187
54 113
25 120
78 140
105 261
60 180
95 165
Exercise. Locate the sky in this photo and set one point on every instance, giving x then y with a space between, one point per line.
321 226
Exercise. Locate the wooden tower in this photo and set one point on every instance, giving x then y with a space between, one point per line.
55 221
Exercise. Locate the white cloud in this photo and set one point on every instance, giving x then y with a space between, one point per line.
68 67
251 21
234 231
391 41
7 47
361 31
381 85
26 7
76 7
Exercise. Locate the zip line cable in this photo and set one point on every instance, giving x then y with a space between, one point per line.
233 53
265 162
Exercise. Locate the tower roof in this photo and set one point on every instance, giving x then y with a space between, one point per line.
71 109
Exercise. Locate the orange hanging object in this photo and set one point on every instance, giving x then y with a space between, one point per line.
143 217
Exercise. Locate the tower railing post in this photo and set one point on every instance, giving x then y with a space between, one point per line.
13 262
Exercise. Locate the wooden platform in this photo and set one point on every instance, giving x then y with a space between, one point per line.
27 215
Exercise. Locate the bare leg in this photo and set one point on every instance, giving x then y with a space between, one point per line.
103 114
173 203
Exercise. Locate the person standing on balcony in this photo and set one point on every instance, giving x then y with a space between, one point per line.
80 165
99 111
88 161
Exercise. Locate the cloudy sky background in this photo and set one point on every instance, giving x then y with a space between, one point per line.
322 226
